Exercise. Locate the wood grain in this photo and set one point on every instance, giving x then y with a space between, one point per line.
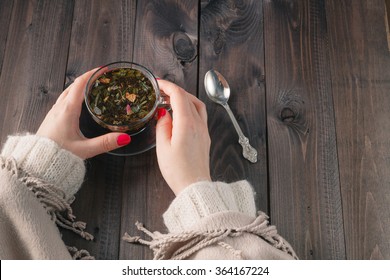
303 165
310 82
165 42
387 20
360 68
5 16
101 33
231 41
34 63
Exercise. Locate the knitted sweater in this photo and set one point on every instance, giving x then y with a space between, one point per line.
208 220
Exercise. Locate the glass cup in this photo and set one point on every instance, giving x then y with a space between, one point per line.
134 126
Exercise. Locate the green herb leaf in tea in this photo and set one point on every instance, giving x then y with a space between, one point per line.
122 96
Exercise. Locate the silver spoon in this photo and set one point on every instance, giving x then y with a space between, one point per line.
218 90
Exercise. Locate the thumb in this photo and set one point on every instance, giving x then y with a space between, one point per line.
163 128
105 143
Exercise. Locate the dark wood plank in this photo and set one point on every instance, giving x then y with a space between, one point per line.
165 42
231 42
303 165
101 33
360 67
34 63
98 204
5 16
387 19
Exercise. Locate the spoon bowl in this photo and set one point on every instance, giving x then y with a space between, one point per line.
217 88
218 91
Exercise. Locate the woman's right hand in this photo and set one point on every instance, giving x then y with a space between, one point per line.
182 143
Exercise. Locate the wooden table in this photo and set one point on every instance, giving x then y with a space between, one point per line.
310 88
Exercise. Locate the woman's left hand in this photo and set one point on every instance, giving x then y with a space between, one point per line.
61 124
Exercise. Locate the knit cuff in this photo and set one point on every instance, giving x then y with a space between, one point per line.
203 199
43 158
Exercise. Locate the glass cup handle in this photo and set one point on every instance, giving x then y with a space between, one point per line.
164 101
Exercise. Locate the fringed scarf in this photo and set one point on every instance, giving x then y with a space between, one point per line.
182 245
53 200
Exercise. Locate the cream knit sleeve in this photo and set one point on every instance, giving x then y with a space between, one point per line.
206 198
43 158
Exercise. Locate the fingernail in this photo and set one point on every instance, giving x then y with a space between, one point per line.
123 139
161 113
157 78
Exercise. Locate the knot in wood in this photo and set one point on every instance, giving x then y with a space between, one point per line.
43 90
287 115
69 78
293 109
183 46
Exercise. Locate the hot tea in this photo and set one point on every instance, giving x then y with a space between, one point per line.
121 96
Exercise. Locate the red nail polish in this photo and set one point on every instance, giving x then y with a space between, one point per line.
123 139
157 78
161 113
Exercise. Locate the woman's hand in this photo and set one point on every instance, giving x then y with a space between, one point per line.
61 124
183 144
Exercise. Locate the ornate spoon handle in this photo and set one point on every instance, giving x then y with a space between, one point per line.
247 150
